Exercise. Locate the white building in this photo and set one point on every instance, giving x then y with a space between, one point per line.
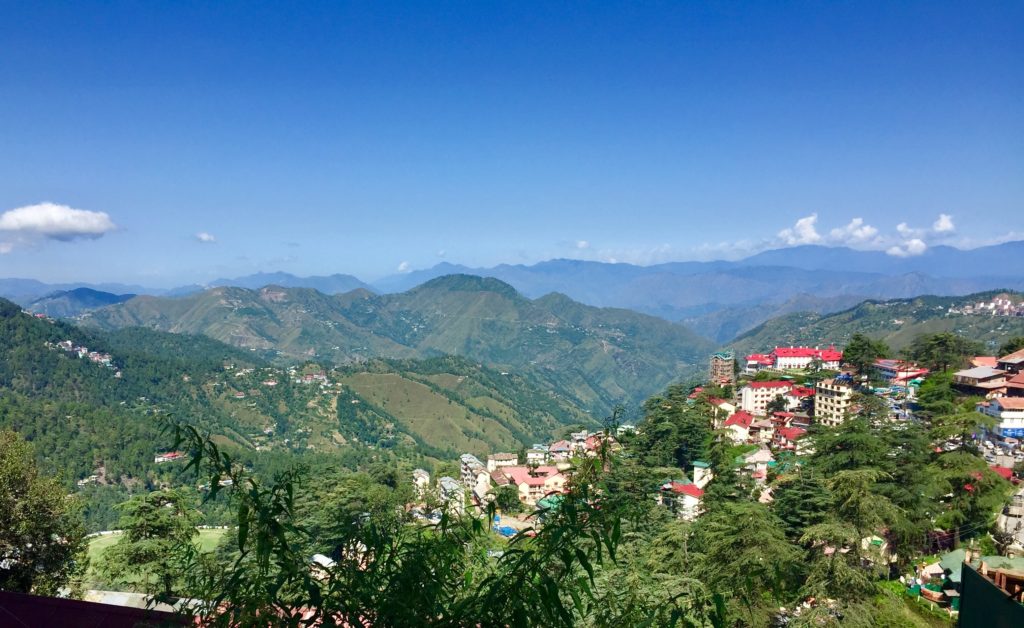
1010 413
755 396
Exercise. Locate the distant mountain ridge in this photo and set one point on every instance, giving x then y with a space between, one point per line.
69 303
720 299
598 357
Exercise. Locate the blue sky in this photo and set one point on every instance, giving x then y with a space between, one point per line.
334 137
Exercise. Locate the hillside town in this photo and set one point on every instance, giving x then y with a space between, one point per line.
1000 305
776 398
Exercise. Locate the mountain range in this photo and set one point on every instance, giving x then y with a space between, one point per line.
595 357
718 299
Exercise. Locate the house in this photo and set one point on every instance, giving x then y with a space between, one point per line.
452 494
537 455
559 450
761 430
701 473
721 406
755 396
984 381
534 483
757 362
896 371
757 463
1010 413
802 357
983 360
475 476
739 426
170 456
1012 363
681 498
1015 385
832 400
592 446
786 437
799 397
495 461
421 482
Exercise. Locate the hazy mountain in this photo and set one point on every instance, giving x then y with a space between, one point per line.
896 321
25 291
330 284
724 324
937 261
597 357
68 303
764 283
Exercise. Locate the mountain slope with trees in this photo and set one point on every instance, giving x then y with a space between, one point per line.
595 357
896 322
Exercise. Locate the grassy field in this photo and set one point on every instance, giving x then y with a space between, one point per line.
206 542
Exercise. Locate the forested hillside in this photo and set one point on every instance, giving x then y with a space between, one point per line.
594 357
96 420
896 322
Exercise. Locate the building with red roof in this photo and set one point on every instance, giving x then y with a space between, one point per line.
755 396
739 425
786 437
682 498
534 483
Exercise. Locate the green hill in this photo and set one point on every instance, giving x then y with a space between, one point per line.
96 418
594 357
895 321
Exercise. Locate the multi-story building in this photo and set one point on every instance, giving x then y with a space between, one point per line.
475 476
755 396
723 368
1010 413
452 494
534 483
786 358
421 482
496 461
984 381
832 400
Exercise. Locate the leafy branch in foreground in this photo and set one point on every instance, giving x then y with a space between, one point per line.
386 571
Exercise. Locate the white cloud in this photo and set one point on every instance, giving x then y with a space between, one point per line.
910 248
856 232
582 244
403 267
442 253
944 224
803 232
6 247
56 222
205 237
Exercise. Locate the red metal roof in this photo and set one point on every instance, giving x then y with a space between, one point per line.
741 418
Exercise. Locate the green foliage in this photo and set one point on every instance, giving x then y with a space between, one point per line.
506 499
156 526
674 430
1011 346
42 537
744 551
861 352
942 351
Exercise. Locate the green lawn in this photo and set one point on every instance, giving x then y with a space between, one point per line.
206 542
